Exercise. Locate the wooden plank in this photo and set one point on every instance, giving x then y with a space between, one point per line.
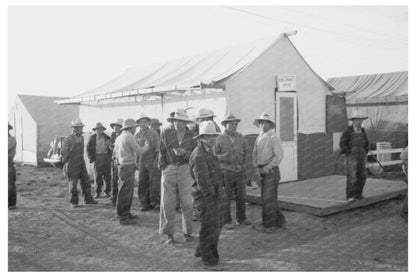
391 162
385 151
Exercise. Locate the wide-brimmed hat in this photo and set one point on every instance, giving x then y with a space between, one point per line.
99 125
358 115
207 128
77 123
129 123
264 117
143 116
229 117
155 121
10 126
203 113
180 114
118 122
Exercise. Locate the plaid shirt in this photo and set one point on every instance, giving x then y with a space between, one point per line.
206 171
233 151
169 141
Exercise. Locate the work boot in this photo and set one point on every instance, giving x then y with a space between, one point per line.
97 195
73 206
92 201
245 222
188 238
170 239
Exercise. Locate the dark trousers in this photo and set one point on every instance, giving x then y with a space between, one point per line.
125 194
114 181
271 213
75 175
210 217
356 175
12 186
149 185
234 182
102 172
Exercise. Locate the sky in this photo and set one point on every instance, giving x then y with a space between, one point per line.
68 50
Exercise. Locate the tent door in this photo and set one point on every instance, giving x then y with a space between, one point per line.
286 126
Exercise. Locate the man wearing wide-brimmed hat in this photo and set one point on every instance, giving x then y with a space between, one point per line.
149 185
99 151
127 152
354 144
12 170
75 169
208 193
233 151
116 126
155 125
267 155
204 114
176 145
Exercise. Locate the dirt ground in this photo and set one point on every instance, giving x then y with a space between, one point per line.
46 235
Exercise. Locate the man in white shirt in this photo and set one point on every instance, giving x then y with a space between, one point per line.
127 150
267 155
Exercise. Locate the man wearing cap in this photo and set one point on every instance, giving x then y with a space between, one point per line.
267 155
73 156
127 152
149 187
99 151
208 193
206 115
354 144
12 170
232 149
155 125
116 126
176 145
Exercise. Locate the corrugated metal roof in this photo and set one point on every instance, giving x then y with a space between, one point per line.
383 87
206 68
44 111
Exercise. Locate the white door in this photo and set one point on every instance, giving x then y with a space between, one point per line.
286 126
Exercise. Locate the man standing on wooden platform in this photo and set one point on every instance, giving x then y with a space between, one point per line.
267 155
354 144
75 168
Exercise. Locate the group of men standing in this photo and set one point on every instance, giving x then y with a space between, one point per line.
194 165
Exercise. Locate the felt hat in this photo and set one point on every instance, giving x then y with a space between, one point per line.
357 115
203 113
155 121
77 123
264 117
207 128
181 115
129 123
229 117
118 122
143 116
99 125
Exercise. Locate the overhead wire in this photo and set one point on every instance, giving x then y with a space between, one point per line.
369 40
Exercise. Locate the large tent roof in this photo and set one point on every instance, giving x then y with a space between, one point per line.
45 112
209 69
383 87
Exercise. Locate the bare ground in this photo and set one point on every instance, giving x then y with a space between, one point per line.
46 235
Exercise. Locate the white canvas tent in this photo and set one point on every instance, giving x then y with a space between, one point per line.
36 121
384 98
241 79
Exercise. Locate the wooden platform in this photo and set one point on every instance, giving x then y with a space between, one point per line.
326 195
